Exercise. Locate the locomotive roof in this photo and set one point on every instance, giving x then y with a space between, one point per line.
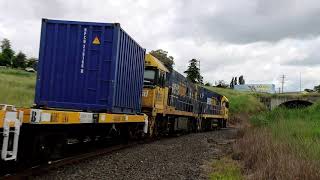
154 62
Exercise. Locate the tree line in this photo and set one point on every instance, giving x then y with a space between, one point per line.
9 58
315 89
193 70
234 81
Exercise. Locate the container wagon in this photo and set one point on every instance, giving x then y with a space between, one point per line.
88 89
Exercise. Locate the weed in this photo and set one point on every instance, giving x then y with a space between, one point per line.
226 169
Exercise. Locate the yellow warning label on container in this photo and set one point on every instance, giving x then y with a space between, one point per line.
96 40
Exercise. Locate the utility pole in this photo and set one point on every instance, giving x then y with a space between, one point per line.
199 67
199 71
300 82
282 82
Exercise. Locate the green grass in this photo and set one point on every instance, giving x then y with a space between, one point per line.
226 169
298 128
240 102
17 87
296 95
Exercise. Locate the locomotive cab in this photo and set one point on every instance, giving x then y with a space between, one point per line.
155 92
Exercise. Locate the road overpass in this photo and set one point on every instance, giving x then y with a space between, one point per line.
289 101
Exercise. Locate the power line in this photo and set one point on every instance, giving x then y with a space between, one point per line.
282 81
199 67
200 77
300 82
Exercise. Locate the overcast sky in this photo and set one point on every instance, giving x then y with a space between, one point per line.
260 39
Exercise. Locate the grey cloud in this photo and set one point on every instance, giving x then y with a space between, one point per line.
249 21
249 37
50 8
308 62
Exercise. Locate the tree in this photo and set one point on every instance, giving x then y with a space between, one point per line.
208 84
317 88
200 78
164 58
241 80
232 83
7 53
235 81
19 61
222 84
309 90
5 44
33 63
193 72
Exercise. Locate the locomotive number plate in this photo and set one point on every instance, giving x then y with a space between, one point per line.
145 93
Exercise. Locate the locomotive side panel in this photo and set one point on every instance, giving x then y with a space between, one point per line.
182 93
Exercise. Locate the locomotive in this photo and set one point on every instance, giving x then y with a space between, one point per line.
172 103
94 82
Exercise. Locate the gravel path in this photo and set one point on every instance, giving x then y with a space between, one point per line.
185 157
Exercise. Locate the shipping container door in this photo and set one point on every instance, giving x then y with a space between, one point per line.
107 68
75 62
61 58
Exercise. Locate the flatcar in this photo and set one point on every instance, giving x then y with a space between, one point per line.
96 83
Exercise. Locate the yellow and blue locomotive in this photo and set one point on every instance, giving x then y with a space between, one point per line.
173 103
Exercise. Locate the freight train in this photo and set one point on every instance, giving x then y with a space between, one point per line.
94 82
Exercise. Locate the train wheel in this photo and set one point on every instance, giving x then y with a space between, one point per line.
47 147
220 123
57 145
199 126
136 131
192 125
40 150
224 122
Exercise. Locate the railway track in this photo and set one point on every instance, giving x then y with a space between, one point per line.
45 168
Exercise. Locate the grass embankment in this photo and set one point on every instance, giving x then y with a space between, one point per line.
17 87
284 144
242 104
280 144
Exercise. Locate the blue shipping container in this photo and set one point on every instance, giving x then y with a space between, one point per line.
89 66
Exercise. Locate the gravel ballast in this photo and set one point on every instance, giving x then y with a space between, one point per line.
184 157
